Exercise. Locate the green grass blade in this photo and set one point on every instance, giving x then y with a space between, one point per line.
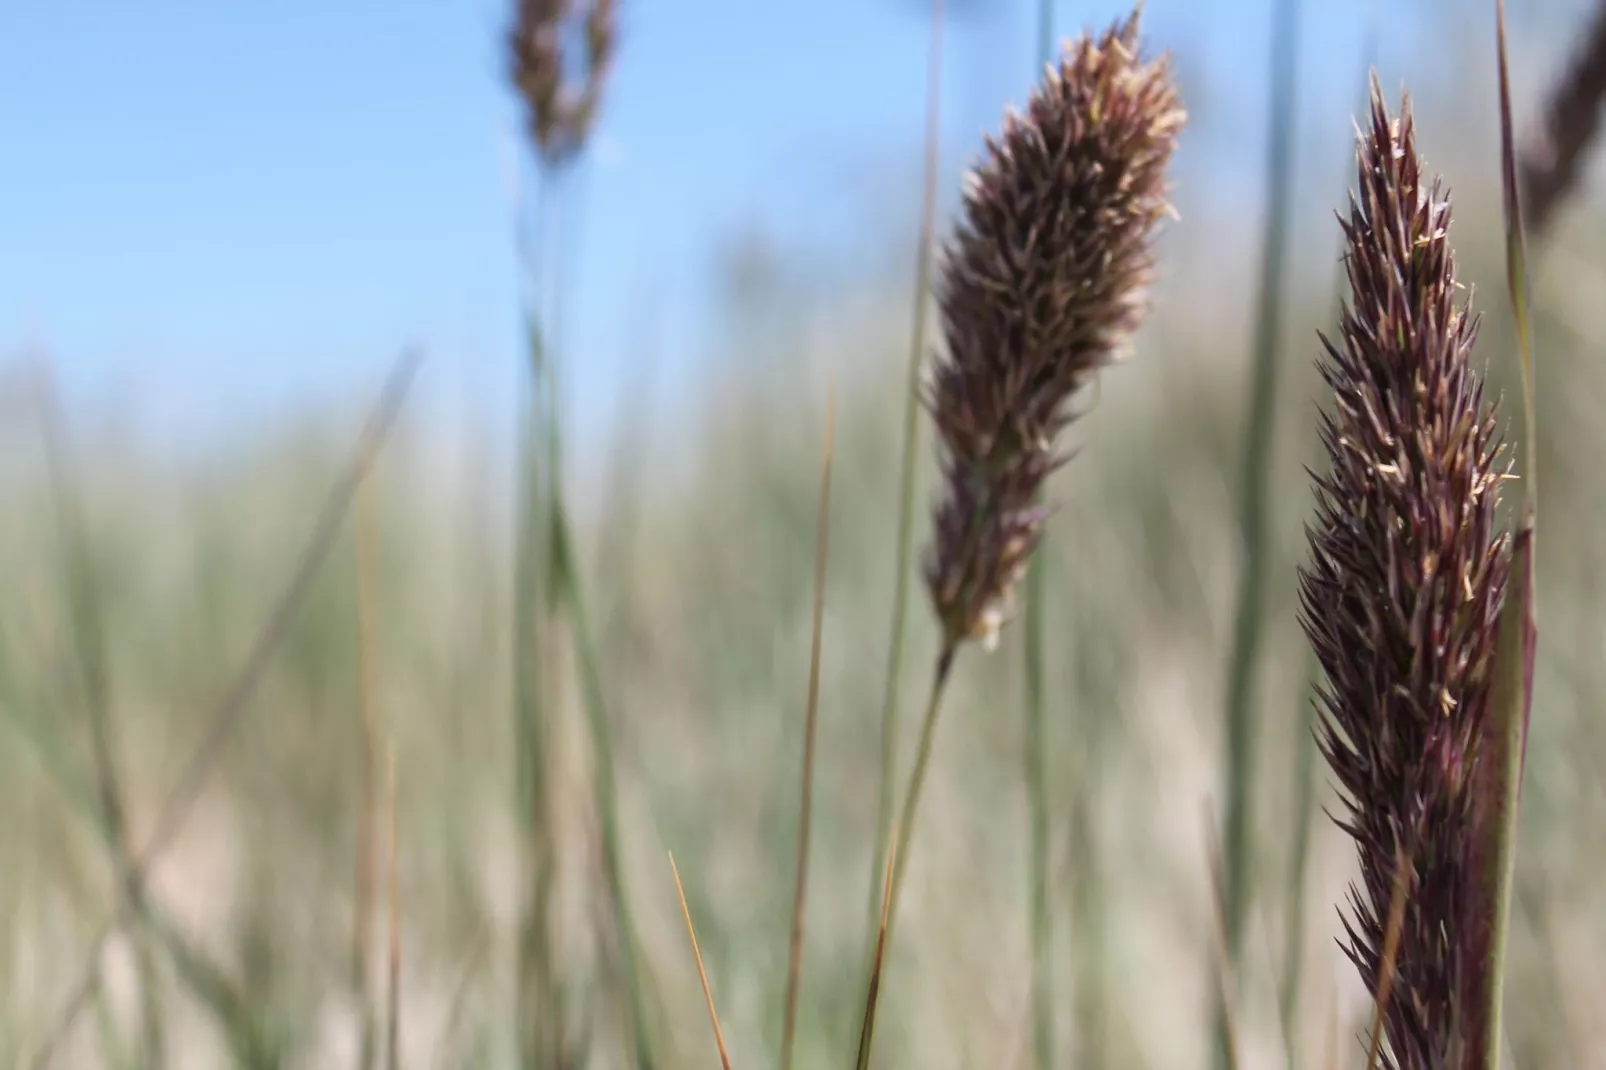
1506 740
568 581
906 478
1254 480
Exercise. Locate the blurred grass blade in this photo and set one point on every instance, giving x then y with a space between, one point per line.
86 618
1226 972
367 786
1553 163
458 1004
393 887
539 993
1253 488
794 967
1036 738
906 478
606 792
226 716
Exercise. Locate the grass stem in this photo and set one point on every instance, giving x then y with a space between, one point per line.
867 1027
794 967
899 844
606 792
702 974
906 478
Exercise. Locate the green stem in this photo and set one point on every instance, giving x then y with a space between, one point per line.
1239 772
606 796
537 993
903 834
1511 703
906 479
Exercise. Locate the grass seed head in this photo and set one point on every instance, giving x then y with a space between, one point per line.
1043 284
560 52
1401 596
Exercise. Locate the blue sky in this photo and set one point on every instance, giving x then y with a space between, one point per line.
215 212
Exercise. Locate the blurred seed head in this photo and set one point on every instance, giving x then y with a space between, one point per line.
1401 597
560 52
1554 157
1043 284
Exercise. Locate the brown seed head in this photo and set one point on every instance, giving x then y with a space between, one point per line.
1043 284
1401 597
561 94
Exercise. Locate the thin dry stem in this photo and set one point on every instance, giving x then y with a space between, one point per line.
794 968
702 974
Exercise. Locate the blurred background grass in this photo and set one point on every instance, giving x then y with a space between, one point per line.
151 560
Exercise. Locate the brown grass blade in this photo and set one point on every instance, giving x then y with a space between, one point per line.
702 974
231 707
794 968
